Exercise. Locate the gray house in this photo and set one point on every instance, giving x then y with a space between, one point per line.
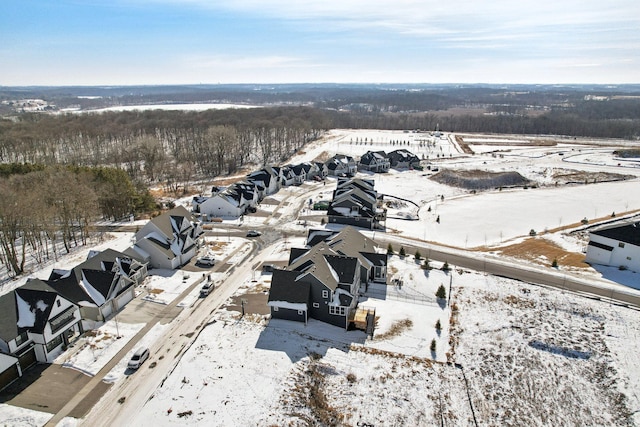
374 161
323 281
355 202
321 284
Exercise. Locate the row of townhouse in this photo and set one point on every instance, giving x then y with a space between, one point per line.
322 280
39 319
356 202
243 196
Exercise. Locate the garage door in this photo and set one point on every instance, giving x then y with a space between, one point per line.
8 376
28 359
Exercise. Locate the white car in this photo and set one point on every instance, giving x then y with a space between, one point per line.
138 358
206 260
206 289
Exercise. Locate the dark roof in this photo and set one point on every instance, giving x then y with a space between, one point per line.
315 236
627 233
39 298
345 266
296 253
376 259
284 287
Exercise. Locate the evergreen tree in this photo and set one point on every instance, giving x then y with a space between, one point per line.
441 293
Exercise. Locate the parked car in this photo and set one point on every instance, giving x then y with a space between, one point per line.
138 358
253 233
206 289
206 260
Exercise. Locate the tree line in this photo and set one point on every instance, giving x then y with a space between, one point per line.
162 146
48 209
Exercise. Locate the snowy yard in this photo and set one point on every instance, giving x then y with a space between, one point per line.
514 342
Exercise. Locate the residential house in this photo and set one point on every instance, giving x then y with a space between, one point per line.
341 165
227 204
321 284
37 323
299 174
267 178
323 280
403 159
100 286
355 202
288 177
349 241
323 170
374 161
312 169
169 240
616 246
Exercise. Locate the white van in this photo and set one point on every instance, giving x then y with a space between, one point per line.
138 358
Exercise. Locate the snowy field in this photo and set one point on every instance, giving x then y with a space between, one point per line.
569 358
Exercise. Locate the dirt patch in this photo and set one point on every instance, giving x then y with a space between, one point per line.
479 179
255 303
542 251
569 176
465 147
396 329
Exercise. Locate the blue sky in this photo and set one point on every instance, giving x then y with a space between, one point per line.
117 42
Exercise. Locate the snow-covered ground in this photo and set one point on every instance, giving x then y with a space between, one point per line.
569 358
565 357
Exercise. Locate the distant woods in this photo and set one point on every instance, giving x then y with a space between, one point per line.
175 148
172 147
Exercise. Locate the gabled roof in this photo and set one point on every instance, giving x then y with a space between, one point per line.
374 157
326 265
402 155
26 308
83 286
366 185
178 217
628 232
316 236
287 286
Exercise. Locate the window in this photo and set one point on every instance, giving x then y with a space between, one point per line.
51 345
337 310
63 319
620 245
21 339
276 308
300 312
325 294
58 302
316 305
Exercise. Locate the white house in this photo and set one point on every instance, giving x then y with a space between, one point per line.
36 323
223 205
100 286
169 240
615 245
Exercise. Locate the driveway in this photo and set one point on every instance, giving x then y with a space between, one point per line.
47 388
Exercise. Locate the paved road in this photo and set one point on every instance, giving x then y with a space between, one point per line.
519 270
166 353
177 338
